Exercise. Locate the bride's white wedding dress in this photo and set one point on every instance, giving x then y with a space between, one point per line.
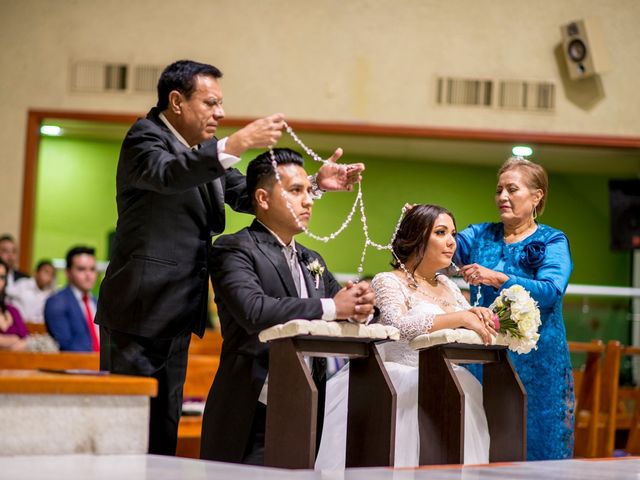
412 312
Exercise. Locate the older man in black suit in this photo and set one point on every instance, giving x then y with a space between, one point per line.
173 179
261 278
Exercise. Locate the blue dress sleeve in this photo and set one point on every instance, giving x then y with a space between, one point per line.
552 277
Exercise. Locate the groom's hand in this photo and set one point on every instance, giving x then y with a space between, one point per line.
355 302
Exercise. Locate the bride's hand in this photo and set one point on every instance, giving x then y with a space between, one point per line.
486 315
477 324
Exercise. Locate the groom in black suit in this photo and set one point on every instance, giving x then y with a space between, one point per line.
172 182
261 278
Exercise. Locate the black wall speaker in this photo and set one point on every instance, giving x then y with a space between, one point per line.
624 208
584 49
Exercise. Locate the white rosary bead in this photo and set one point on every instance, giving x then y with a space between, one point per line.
358 201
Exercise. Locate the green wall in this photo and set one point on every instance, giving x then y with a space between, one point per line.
76 204
578 205
75 196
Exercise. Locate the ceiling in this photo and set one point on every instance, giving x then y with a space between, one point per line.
560 158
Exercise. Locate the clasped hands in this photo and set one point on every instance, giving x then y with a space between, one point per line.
265 132
355 301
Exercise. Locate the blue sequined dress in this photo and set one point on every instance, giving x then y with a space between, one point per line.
542 264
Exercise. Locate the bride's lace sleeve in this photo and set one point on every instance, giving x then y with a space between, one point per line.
395 307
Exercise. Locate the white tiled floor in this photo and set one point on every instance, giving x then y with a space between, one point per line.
149 467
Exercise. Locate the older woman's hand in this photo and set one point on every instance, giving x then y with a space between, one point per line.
475 274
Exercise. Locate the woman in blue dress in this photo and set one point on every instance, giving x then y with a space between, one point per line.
518 250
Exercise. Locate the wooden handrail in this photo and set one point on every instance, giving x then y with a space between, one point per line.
595 346
37 382
54 360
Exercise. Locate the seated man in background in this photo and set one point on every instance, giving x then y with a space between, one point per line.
69 313
262 277
9 255
29 294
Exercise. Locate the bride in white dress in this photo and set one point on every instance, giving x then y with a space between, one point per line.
416 300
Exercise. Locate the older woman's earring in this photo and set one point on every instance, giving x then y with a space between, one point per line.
535 212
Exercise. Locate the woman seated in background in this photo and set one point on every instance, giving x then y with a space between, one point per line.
13 332
416 299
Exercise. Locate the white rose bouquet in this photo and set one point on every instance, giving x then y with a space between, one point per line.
516 319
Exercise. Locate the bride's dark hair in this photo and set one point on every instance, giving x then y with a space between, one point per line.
413 234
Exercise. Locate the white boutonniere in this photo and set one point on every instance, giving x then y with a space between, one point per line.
316 270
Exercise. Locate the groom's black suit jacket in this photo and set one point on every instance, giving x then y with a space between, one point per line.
254 290
170 202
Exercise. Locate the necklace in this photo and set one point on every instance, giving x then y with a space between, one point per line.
413 284
433 281
424 292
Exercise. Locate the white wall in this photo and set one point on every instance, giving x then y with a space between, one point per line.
371 61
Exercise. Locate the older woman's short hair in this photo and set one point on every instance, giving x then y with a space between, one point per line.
534 175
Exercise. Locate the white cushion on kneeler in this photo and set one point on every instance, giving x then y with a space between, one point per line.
321 328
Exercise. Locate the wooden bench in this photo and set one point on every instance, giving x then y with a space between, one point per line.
628 411
56 361
587 385
209 344
36 327
201 370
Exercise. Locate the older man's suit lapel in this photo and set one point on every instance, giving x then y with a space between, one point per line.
272 250
212 192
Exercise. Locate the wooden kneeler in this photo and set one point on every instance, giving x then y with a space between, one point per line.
292 403
441 404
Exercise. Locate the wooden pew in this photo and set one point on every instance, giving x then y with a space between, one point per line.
201 370
209 344
587 385
56 361
628 414
609 399
36 327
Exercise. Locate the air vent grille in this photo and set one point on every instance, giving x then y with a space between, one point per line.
90 76
522 95
145 77
462 91
502 94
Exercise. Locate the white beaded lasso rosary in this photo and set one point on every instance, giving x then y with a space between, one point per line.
358 201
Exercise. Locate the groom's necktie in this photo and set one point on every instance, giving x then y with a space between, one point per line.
292 260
